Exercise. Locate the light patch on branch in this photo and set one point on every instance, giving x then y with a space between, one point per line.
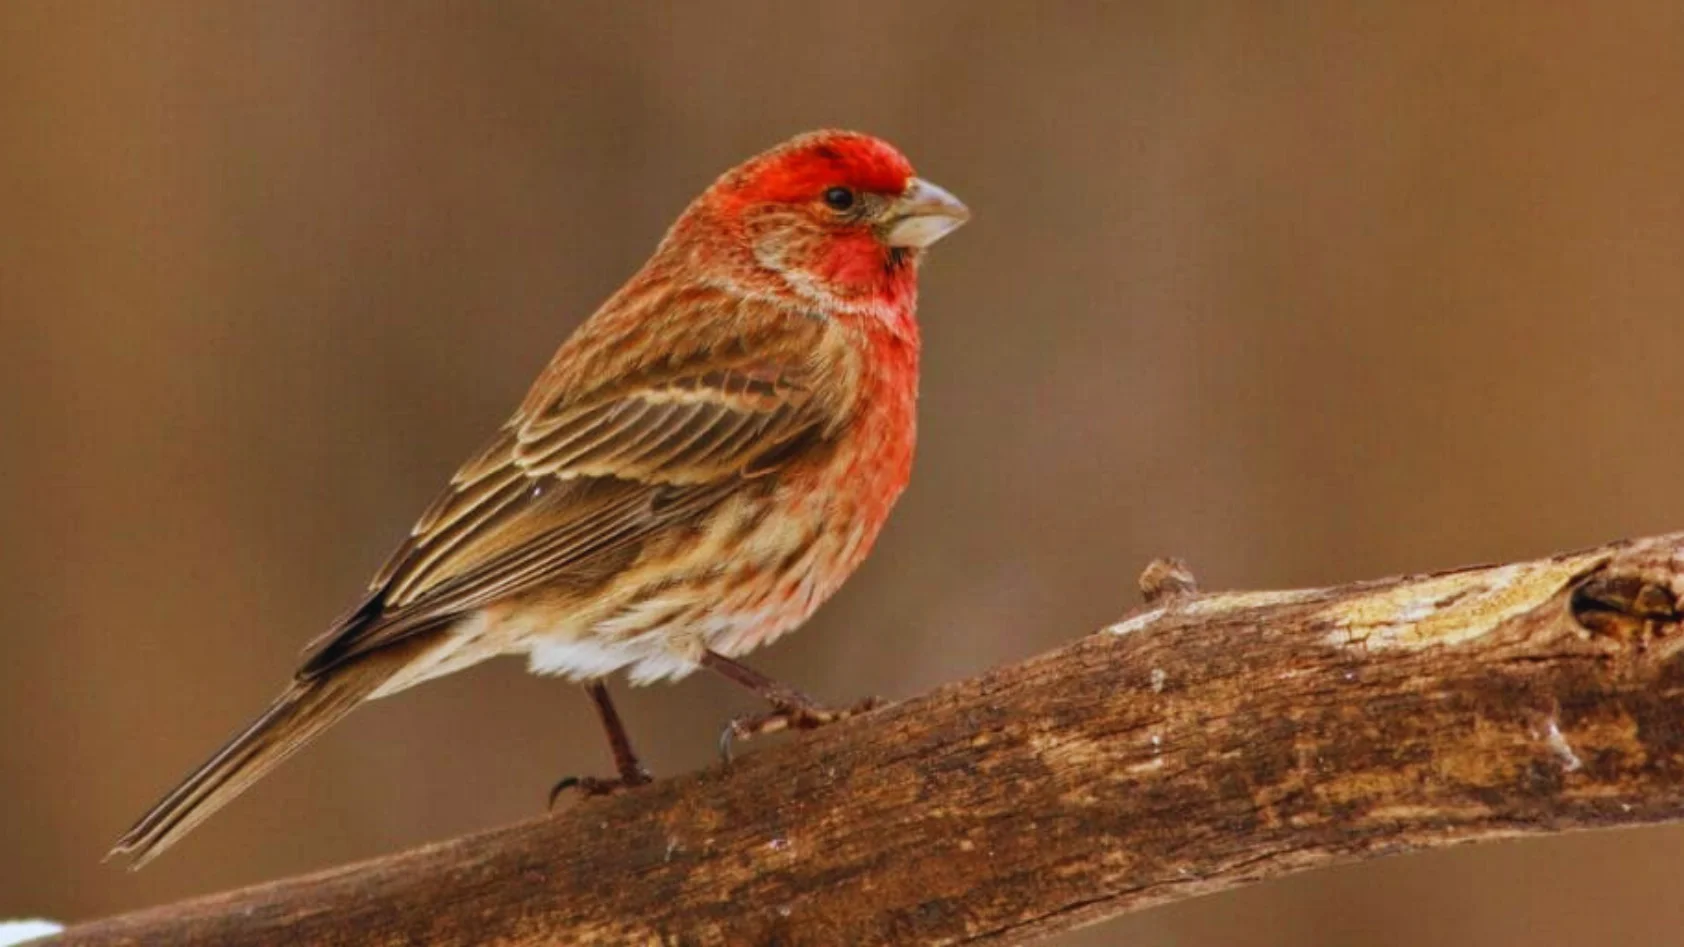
1552 735
1453 608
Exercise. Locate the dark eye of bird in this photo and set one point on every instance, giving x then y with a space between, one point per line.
839 198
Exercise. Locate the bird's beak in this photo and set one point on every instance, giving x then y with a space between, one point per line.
923 214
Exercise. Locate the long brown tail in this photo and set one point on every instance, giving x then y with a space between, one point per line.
302 712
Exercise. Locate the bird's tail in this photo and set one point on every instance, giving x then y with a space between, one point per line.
303 711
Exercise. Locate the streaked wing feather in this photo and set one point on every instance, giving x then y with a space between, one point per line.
561 492
587 542
684 431
449 540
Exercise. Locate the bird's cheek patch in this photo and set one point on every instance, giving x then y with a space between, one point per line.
852 260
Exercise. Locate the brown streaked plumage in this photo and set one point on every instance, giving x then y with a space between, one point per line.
700 466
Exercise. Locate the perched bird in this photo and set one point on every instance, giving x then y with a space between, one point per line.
700 466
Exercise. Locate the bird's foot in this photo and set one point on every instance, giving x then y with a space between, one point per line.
591 787
792 714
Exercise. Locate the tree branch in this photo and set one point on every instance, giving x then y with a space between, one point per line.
1208 741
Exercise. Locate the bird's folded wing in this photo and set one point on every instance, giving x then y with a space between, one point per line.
565 489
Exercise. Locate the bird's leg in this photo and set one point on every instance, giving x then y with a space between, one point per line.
791 709
632 773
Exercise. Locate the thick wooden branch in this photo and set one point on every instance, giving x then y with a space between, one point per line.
1205 742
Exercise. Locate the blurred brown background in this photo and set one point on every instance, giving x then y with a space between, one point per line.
1302 292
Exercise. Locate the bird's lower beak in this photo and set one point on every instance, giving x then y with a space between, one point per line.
923 214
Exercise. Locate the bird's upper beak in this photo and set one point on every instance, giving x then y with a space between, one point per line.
923 214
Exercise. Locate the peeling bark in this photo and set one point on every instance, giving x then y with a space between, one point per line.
1206 741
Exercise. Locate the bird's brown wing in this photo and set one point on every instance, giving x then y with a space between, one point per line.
583 475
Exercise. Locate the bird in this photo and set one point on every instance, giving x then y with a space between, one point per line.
702 463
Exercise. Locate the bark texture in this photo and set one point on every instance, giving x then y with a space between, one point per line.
1206 741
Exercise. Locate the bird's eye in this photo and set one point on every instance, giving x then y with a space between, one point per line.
839 198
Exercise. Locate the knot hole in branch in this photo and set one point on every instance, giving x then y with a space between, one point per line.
1628 607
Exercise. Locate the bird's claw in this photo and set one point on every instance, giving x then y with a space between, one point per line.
591 787
789 717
